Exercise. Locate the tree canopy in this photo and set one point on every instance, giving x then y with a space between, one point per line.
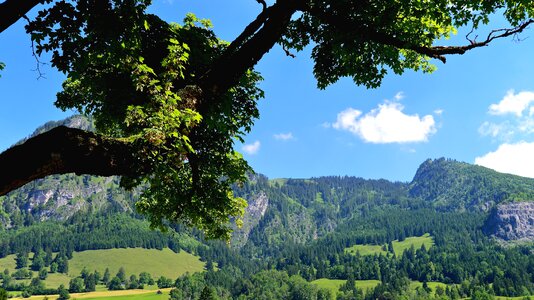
170 100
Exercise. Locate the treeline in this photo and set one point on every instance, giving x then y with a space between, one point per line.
86 232
229 283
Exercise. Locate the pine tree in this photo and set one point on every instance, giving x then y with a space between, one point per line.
207 294
106 277
63 293
21 260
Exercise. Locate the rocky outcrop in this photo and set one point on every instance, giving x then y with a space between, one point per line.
257 206
59 197
512 222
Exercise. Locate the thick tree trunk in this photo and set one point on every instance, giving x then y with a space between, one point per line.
267 30
12 10
66 150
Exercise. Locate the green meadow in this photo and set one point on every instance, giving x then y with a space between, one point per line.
399 247
335 284
134 261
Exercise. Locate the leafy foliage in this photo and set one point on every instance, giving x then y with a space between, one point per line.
139 84
147 82
365 40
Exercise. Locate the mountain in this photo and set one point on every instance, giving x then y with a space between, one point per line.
452 185
306 228
280 210
76 121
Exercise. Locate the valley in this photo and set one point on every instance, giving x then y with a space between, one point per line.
453 232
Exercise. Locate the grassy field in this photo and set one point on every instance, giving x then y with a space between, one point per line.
115 295
365 249
399 247
136 260
53 280
416 241
279 181
148 296
334 284
8 262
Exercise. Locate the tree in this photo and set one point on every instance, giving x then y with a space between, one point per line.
53 267
90 282
36 286
170 100
115 284
121 274
43 273
63 293
97 276
76 285
133 283
145 278
37 263
84 273
3 294
21 260
207 294
164 282
62 264
48 258
106 277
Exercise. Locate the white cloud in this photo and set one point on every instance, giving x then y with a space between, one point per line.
284 136
502 130
438 112
513 104
526 126
399 96
510 158
252 148
386 124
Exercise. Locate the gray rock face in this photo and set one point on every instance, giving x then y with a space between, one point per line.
59 197
257 206
512 222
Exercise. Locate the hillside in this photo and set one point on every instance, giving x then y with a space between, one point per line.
134 260
338 229
453 185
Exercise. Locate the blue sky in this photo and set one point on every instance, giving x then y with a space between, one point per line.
475 108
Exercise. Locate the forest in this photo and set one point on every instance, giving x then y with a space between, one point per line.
304 235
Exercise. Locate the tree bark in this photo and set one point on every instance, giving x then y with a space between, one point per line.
12 10
66 150
227 71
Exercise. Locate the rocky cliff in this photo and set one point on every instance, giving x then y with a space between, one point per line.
59 197
512 222
257 206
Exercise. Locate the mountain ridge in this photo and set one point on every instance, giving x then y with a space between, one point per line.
297 210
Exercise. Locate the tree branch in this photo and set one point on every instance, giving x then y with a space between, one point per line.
12 10
369 32
439 51
245 52
67 150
